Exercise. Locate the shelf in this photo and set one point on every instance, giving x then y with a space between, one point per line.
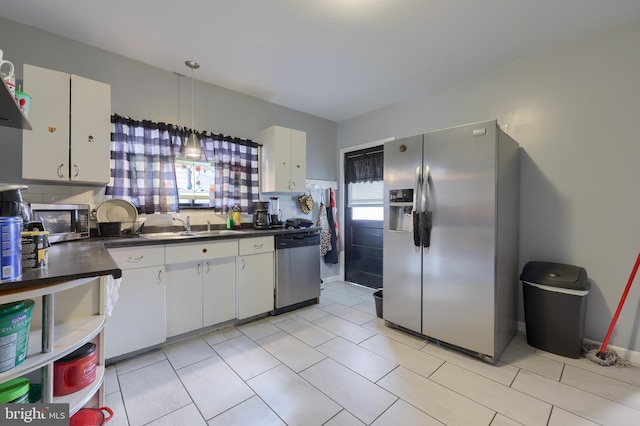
10 114
73 335
13 295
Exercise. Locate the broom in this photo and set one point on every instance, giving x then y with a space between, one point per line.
601 356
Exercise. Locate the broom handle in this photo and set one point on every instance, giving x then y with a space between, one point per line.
624 296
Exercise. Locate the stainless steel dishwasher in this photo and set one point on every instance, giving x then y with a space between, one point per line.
297 271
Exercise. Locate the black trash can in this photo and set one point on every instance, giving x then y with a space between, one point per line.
377 296
555 306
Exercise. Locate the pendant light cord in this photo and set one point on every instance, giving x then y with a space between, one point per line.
192 107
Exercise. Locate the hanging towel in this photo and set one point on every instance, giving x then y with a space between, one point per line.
332 256
334 211
325 231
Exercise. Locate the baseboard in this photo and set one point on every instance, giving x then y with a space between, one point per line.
331 279
624 353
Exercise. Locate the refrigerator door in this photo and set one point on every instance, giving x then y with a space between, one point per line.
402 267
458 292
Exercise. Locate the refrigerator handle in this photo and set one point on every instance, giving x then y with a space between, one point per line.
416 212
426 214
416 191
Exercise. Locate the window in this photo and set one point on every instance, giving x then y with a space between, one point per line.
147 169
196 183
365 200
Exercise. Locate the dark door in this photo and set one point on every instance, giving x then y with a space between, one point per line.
363 217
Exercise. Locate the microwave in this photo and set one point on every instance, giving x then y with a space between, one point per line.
65 222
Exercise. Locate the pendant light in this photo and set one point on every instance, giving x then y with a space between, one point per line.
192 148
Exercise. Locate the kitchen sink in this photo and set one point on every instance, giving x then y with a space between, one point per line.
187 234
167 235
213 233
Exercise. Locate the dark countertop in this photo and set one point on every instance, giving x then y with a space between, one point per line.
115 242
66 262
90 258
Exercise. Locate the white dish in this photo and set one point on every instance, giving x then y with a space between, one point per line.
116 210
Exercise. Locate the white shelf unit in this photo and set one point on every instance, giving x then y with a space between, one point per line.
53 342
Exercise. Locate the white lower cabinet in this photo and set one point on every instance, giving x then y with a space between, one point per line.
200 285
138 318
255 276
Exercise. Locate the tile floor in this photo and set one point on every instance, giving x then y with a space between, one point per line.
336 363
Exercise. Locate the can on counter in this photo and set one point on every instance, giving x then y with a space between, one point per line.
34 249
10 255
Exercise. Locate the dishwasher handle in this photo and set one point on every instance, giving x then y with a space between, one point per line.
293 241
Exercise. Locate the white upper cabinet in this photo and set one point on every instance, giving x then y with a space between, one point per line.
71 121
284 159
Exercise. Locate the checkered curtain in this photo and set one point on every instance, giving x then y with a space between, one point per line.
236 168
142 166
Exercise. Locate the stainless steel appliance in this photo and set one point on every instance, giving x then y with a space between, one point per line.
261 218
275 213
64 222
297 271
451 236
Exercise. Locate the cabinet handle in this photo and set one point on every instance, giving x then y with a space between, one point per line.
135 259
257 246
77 169
159 279
60 174
208 267
198 269
292 186
243 264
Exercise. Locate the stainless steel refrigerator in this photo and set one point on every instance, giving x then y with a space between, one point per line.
451 236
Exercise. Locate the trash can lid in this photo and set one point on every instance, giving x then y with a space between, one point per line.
556 275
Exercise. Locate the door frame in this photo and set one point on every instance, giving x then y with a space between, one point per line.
341 193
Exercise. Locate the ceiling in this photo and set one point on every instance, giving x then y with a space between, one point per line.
334 59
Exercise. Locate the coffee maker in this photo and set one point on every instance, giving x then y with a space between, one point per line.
275 213
261 217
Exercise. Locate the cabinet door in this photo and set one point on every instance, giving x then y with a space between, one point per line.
184 297
298 161
138 319
45 149
255 284
219 290
90 130
282 159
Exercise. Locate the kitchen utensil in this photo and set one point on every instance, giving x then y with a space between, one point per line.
7 74
91 417
303 204
310 202
116 210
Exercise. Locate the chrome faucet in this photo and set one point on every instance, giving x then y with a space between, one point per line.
186 224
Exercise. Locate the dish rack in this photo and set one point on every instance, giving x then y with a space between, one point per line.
125 229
